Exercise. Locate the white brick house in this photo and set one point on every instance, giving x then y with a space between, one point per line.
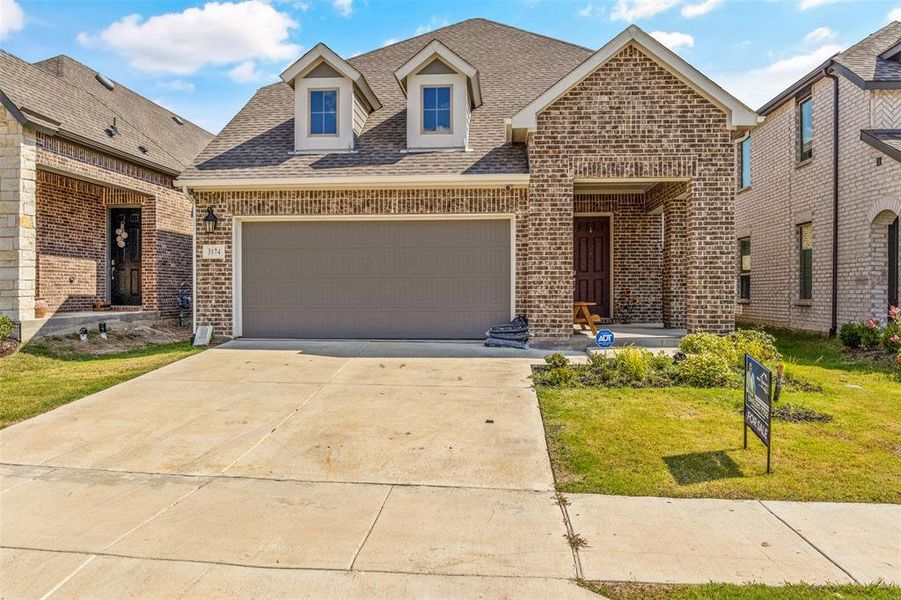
784 205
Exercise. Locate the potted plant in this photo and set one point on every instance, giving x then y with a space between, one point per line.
40 308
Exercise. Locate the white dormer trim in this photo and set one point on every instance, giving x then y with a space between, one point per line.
436 49
738 114
319 53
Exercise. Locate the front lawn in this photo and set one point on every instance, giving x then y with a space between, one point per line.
687 442
722 591
40 377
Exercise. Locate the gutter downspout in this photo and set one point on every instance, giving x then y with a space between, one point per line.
828 72
185 191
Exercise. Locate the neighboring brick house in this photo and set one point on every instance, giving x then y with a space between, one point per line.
80 158
445 183
786 193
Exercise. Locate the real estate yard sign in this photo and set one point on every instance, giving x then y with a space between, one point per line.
758 403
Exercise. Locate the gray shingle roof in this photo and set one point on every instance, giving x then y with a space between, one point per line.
887 141
515 66
863 58
62 95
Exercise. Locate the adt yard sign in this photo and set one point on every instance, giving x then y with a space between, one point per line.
605 338
758 403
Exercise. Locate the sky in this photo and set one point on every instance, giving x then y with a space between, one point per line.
204 60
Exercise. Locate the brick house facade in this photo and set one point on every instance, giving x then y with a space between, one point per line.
639 138
58 193
786 193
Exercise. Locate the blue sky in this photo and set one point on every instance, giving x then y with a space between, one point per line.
204 60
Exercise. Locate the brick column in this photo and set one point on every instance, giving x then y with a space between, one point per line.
675 260
710 289
17 219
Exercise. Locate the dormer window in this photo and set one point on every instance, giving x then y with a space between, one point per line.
331 102
436 109
323 112
442 89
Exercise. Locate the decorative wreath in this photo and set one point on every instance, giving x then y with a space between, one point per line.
121 235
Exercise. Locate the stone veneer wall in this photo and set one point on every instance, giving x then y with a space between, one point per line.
214 276
633 119
17 212
784 194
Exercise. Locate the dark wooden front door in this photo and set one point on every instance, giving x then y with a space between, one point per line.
591 263
893 263
125 256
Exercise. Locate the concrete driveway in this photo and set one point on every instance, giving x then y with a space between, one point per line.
289 469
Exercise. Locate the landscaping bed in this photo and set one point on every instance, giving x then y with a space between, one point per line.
48 372
836 430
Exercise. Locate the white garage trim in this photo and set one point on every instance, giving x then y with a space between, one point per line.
238 220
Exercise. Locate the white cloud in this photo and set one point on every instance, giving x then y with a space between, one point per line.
218 33
12 17
808 4
344 7
757 86
176 85
632 10
389 41
302 6
895 14
820 34
674 39
701 8
245 72
434 23
591 10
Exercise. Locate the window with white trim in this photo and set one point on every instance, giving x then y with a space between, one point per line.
323 112
436 109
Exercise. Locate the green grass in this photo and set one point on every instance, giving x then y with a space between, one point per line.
37 379
715 591
687 442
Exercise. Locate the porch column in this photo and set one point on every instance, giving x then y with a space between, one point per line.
17 219
710 289
550 251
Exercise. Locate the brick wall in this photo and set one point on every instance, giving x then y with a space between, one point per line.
621 122
214 276
784 193
637 249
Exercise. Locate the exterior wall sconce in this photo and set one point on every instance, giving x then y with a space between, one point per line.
210 220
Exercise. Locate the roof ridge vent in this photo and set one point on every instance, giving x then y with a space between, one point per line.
178 119
105 81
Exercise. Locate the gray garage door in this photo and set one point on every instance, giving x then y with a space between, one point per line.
375 279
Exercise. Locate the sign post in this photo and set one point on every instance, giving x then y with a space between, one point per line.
758 404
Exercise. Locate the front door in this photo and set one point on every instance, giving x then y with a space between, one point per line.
893 263
125 256
591 263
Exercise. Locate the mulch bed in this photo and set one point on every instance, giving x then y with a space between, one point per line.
8 347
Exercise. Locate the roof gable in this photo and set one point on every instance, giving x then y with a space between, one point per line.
433 51
737 113
320 54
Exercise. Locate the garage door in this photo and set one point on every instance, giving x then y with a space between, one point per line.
375 279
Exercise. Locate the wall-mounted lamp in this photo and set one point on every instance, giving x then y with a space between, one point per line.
210 220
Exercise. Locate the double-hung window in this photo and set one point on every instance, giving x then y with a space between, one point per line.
323 112
436 109
744 269
805 129
805 261
744 172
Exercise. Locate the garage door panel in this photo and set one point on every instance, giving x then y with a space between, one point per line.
400 279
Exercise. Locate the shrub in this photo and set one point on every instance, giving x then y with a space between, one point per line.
556 377
6 328
709 343
871 335
891 337
633 364
556 360
850 334
756 342
706 369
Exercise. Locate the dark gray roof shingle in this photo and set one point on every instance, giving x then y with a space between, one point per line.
863 58
515 67
62 94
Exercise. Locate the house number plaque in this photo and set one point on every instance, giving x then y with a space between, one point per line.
213 251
